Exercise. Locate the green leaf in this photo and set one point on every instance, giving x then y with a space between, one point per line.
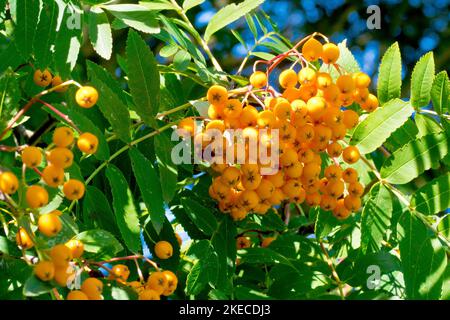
10 58
9 98
444 226
407 132
168 171
124 208
224 243
426 125
45 38
200 215
376 218
246 293
143 78
157 5
422 80
433 197
346 60
27 15
390 75
263 55
373 131
423 259
149 186
86 125
68 43
326 222
97 212
99 244
411 160
229 14
34 287
204 270
181 60
135 16
189 4
262 256
440 92
109 102
100 32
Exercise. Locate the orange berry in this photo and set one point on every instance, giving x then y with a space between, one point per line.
149 295
362 80
23 239
258 79
36 196
53 175
73 189
312 49
345 83
288 157
172 282
217 95
238 214
334 149
120 272
306 155
350 175
333 172
44 270
335 188
56 81
313 199
288 78
249 116
371 103
277 179
243 242
64 275
267 241
76 295
327 202
266 118
292 188
330 53
231 176
316 107
49 224
323 80
31 156
157 281
307 76
265 189
277 197
60 157
8 182
215 111
180 241
163 250
92 288
187 124
63 137
340 211
352 203
76 247
61 255
295 170
87 143
42 78
356 189
350 118
233 108
282 110
86 97
350 154
248 199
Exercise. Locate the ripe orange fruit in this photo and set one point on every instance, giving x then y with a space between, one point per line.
243 242
157 281
76 295
53 175
312 49
87 143
92 288
288 78
120 272
44 270
36 196
31 156
76 247
8 182
42 78
49 224
258 79
86 96
172 282
73 189
60 157
23 239
63 137
217 95
267 241
163 250
149 294
330 53
350 154
61 255
56 81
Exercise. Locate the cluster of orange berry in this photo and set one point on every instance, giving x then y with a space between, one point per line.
312 115
243 242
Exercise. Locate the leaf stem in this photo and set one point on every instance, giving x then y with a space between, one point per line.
333 270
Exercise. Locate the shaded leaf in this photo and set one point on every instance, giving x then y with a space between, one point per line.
433 197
